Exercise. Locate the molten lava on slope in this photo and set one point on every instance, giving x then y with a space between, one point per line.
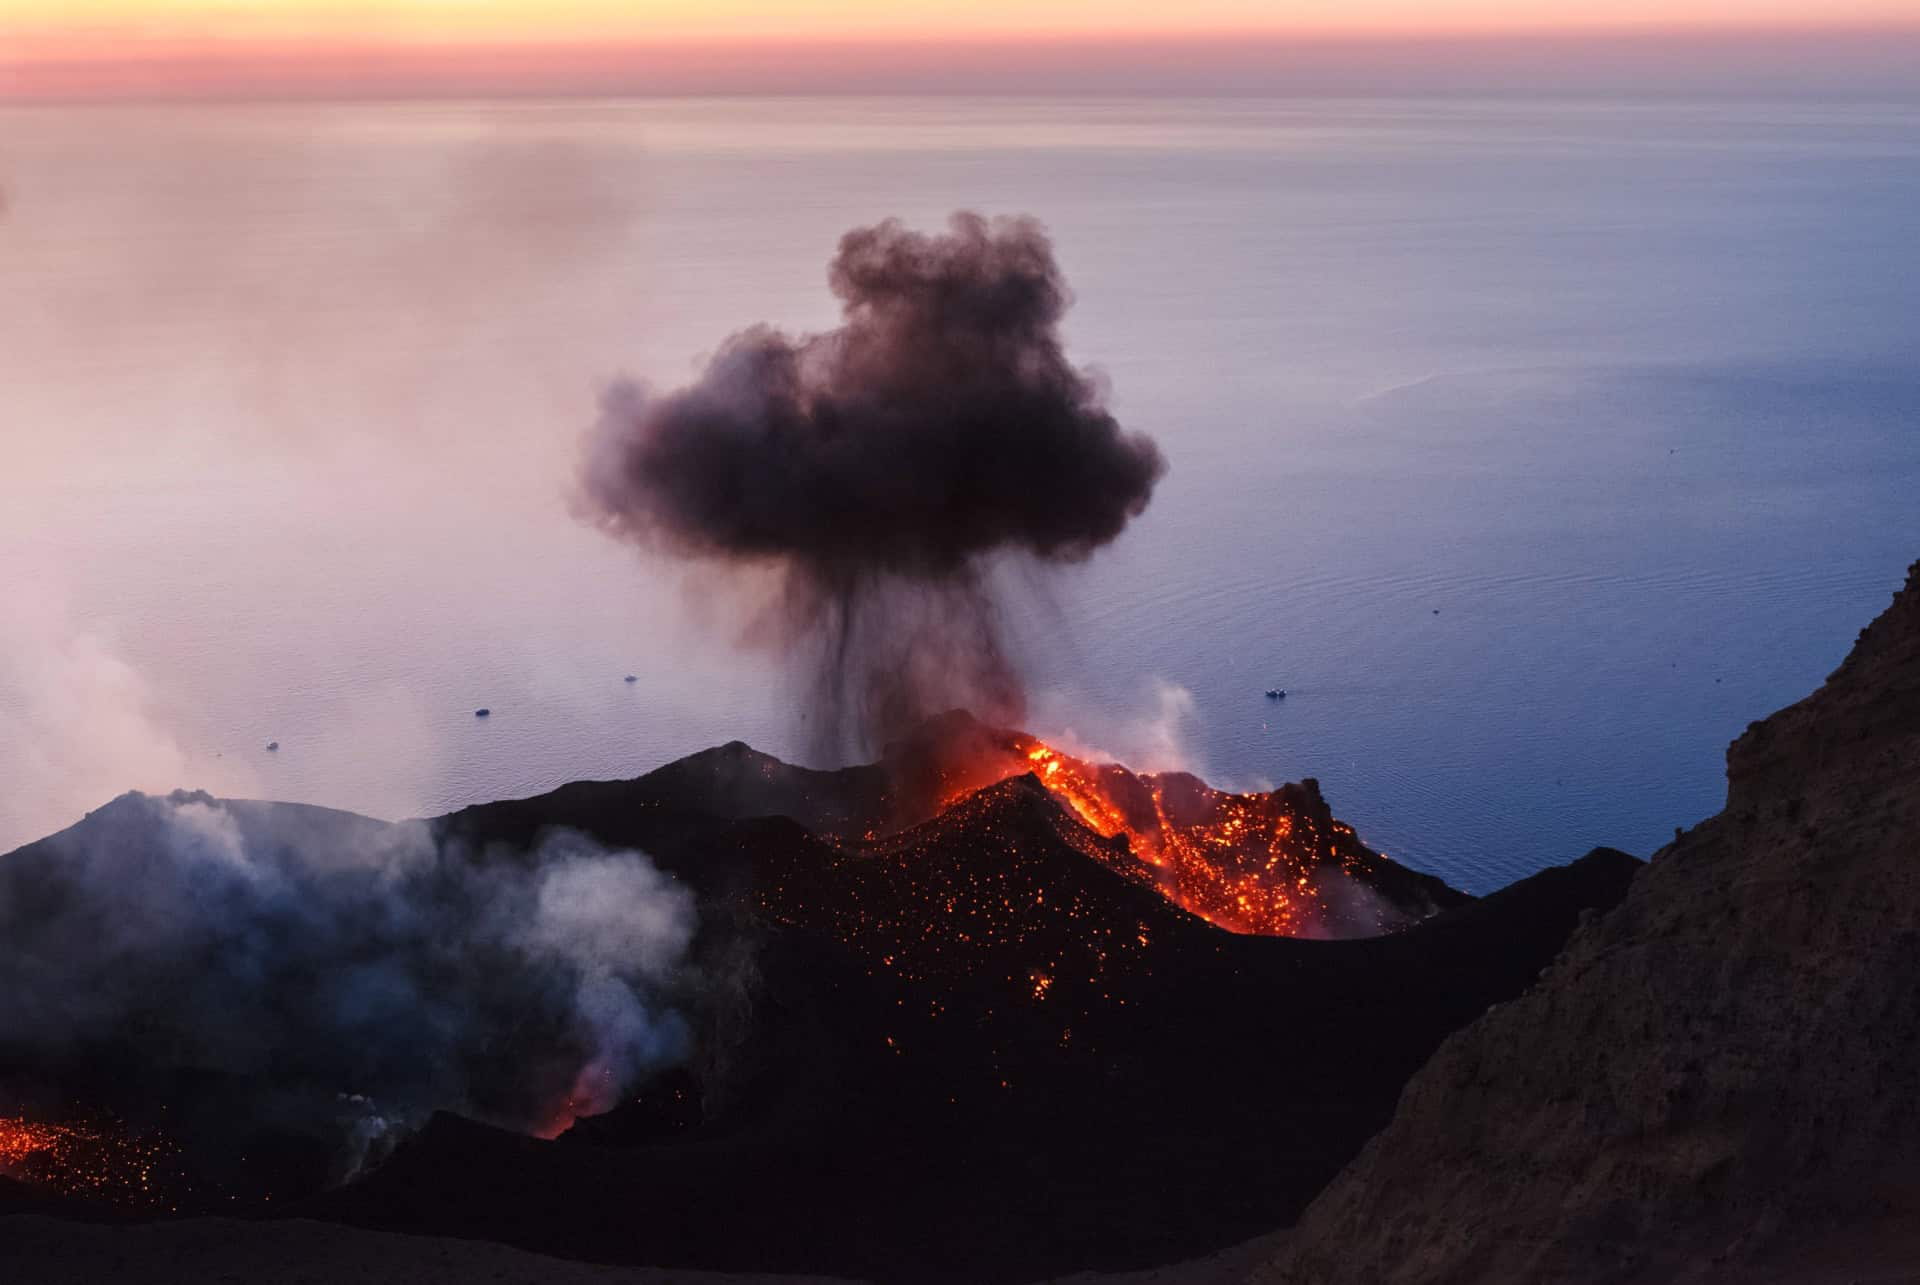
1269 864
1272 864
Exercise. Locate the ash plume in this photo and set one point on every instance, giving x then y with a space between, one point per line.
315 974
880 470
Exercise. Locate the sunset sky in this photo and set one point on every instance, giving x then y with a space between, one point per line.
519 20
80 48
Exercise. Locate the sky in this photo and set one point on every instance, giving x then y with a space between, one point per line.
67 49
519 20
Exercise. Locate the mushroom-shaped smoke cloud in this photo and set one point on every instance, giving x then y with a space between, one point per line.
881 467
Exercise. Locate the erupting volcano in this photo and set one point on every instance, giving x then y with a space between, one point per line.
965 855
739 983
882 470
1272 864
969 956
1275 864
292 991
973 933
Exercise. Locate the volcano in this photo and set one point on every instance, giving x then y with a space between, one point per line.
980 1010
1275 864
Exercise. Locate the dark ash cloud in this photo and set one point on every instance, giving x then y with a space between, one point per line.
882 466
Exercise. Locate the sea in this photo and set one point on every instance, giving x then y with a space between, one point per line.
1533 446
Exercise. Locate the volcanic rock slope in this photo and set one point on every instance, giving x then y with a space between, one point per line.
1717 1080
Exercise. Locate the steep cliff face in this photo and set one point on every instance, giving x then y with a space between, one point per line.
1719 1079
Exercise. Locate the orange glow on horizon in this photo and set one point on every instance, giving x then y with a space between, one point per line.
81 49
109 27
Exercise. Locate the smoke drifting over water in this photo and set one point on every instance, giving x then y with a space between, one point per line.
880 469
322 975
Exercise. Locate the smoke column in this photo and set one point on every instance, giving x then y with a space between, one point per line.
880 468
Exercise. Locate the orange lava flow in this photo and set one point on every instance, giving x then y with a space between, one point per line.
1251 863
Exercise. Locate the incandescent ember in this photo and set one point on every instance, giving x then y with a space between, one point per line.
89 1160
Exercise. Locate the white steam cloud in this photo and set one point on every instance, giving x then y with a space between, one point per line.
80 723
290 960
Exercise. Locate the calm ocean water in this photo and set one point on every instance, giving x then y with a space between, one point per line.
1534 447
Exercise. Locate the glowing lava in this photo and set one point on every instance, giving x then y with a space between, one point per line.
20 1139
96 1161
1274 864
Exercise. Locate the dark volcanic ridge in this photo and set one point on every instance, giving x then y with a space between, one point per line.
1719 1079
932 1022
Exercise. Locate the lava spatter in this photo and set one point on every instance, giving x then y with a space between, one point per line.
96 1160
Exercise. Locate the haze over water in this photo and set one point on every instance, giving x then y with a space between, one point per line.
1533 446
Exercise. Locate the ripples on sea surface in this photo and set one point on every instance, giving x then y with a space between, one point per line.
1533 447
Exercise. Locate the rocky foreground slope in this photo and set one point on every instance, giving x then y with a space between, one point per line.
1717 1080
